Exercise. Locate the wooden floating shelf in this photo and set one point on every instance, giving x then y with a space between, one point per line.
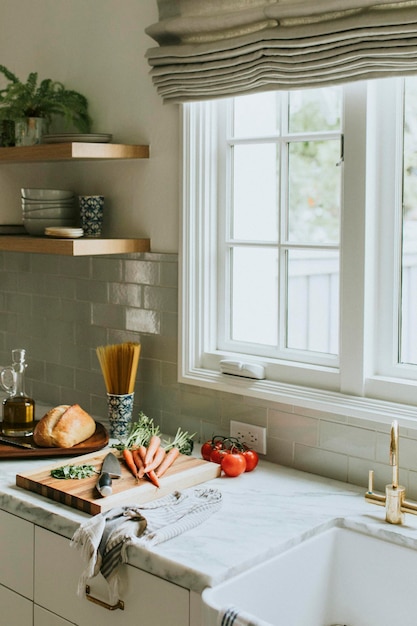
72 247
74 151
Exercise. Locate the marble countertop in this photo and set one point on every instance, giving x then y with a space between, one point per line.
263 513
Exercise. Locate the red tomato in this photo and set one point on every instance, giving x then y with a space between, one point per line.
206 450
210 445
251 458
233 464
217 455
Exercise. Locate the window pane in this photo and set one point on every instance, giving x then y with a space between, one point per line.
314 191
284 190
313 300
256 115
408 333
315 110
255 295
255 192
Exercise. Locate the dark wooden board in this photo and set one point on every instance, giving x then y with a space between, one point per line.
94 443
186 471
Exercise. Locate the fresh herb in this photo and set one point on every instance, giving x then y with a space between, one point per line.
182 441
73 471
140 433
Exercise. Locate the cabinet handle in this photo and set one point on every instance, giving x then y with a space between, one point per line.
110 607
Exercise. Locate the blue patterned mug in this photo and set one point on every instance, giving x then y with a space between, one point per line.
91 214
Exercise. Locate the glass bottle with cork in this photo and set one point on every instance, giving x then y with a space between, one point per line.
18 408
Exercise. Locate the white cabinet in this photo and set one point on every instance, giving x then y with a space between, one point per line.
39 574
16 554
16 570
147 598
15 609
42 617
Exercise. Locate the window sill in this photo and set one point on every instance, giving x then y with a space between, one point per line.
339 404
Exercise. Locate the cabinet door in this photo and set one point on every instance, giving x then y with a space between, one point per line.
42 617
16 554
147 598
196 615
15 609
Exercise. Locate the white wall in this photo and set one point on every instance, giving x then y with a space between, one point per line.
98 47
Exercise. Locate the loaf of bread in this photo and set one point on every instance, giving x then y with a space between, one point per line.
63 427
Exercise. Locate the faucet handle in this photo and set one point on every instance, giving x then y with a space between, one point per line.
371 481
375 498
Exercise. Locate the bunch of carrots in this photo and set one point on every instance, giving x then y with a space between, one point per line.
146 455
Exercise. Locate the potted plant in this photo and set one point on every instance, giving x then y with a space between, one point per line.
24 102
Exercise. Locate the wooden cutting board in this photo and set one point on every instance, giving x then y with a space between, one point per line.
186 471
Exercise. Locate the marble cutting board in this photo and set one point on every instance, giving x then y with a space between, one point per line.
186 471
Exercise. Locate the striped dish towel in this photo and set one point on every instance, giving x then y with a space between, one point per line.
232 617
104 539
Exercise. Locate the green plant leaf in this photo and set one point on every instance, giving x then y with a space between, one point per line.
47 99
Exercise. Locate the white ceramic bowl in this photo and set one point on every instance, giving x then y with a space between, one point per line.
31 208
46 194
40 204
67 212
37 227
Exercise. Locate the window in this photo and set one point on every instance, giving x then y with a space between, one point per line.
279 229
299 242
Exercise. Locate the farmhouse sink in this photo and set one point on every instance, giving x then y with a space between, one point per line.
339 576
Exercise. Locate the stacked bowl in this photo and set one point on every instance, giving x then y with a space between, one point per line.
43 208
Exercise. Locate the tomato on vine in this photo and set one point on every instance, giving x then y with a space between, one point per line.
233 464
211 444
232 455
251 458
217 455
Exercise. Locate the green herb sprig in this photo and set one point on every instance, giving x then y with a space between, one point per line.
183 441
73 471
139 434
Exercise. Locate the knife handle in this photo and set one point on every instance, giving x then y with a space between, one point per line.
104 484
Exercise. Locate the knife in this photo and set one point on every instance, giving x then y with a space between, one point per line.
17 444
110 469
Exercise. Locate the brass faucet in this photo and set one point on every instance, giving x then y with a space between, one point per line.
394 499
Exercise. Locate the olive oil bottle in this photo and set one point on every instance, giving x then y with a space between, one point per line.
18 408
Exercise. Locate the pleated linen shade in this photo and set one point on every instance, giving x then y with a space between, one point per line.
219 48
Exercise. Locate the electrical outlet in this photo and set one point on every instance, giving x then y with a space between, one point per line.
252 436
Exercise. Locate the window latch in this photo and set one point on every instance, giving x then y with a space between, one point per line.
342 151
246 370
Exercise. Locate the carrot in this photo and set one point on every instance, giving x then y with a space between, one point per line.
151 475
142 453
156 461
129 460
140 460
153 445
153 478
170 457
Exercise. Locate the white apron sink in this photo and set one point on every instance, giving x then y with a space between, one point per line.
339 576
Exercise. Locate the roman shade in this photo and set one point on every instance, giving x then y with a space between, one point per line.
219 48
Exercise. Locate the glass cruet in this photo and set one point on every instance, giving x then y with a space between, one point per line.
18 408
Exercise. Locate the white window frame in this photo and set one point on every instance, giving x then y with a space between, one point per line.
356 388
385 377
